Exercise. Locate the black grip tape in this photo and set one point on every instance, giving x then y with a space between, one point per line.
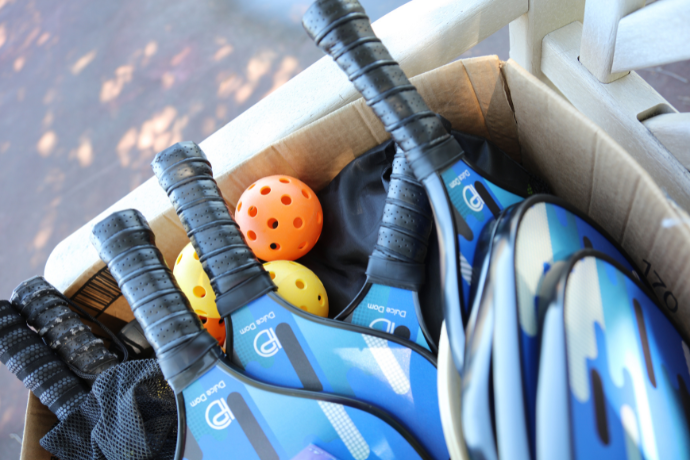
237 277
398 257
46 310
342 29
126 243
36 365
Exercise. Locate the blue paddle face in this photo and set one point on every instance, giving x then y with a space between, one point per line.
547 233
627 368
228 417
475 202
392 310
282 346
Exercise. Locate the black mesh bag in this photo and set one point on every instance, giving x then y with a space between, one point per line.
129 414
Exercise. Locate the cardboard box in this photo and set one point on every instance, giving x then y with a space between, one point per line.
481 96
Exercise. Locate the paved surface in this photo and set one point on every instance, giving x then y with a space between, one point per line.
90 91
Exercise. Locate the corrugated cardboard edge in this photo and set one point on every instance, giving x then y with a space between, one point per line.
611 188
39 420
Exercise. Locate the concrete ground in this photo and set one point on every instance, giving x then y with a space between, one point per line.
90 91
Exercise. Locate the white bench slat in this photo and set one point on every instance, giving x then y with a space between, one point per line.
673 130
654 35
600 28
615 108
528 31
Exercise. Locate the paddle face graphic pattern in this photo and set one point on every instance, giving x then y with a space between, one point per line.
392 310
276 345
547 233
225 416
475 201
628 372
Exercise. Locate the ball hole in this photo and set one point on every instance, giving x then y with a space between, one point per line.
199 291
298 222
239 206
284 180
203 319
196 256
252 211
251 235
179 259
265 190
300 284
251 187
272 223
319 218
272 275
304 308
275 246
321 301
286 200
306 194
302 246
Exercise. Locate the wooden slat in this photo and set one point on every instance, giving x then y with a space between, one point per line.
528 31
654 35
673 130
599 35
615 108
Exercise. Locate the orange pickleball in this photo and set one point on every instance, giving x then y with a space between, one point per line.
280 217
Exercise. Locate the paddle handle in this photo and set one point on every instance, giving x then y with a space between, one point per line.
48 312
403 238
126 243
35 364
342 29
237 277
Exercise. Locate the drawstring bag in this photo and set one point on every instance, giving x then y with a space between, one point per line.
129 414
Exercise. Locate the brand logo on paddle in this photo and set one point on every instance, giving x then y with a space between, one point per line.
472 198
388 326
222 415
458 180
267 346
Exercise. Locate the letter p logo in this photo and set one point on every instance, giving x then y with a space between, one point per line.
269 345
223 416
388 326
472 198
